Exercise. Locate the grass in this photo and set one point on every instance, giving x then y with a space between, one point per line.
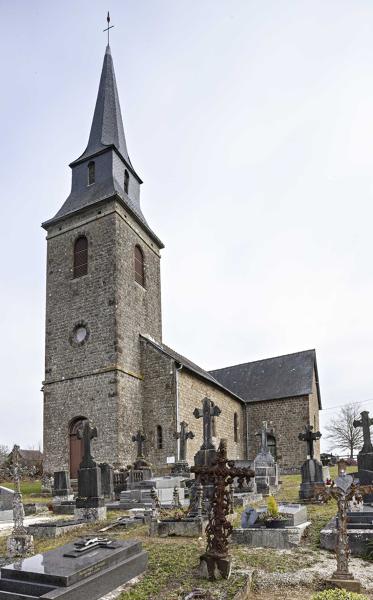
28 488
172 568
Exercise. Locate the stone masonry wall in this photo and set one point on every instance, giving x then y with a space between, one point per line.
159 404
314 414
191 392
288 418
100 379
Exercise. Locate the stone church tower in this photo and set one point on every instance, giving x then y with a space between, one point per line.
103 291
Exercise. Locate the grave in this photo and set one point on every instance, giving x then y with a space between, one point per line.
87 569
365 456
20 543
265 467
247 493
254 534
312 469
181 466
54 529
141 498
6 504
63 499
90 503
107 481
359 532
205 457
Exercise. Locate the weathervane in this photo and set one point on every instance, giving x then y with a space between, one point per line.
108 28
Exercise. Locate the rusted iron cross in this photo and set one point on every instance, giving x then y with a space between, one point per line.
183 435
221 475
139 438
310 437
87 434
343 490
208 412
365 422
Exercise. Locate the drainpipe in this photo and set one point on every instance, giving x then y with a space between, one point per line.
177 369
247 431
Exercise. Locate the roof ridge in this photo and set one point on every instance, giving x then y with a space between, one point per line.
251 362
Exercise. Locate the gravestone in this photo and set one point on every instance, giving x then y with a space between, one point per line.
365 456
20 543
61 486
206 455
265 467
107 480
181 467
312 469
87 569
6 498
89 504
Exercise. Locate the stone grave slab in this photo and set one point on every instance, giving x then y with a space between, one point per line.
6 498
261 537
67 574
53 529
359 532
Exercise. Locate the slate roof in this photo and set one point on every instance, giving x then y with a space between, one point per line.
190 366
107 125
271 378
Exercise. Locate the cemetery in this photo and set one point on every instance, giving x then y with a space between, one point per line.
197 546
159 479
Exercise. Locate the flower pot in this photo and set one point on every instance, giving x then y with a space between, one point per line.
276 524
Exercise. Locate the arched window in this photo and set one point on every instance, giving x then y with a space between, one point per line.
126 181
235 427
91 172
139 266
81 256
159 438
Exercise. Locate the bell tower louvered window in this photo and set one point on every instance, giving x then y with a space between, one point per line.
139 266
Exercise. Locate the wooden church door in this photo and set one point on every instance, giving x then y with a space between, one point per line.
76 447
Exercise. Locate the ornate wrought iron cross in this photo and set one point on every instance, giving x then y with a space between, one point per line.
343 490
139 438
108 28
87 434
183 435
208 412
365 422
221 474
310 437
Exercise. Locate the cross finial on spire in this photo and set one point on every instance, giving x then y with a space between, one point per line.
108 28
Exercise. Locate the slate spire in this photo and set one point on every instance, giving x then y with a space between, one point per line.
107 125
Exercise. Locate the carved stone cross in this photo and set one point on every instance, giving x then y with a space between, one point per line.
139 438
221 475
208 412
87 433
264 432
365 422
183 435
310 437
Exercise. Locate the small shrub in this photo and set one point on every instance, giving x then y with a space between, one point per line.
272 507
338 595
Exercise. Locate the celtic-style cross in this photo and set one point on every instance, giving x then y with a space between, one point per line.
310 437
183 435
365 422
87 433
221 475
140 439
208 412
343 490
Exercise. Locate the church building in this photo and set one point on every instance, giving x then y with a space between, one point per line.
105 359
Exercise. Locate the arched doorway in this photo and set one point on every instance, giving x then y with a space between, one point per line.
76 446
271 442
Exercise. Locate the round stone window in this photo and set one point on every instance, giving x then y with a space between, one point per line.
79 335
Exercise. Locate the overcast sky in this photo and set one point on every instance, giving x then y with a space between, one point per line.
251 124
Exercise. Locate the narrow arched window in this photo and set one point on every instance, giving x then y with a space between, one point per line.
81 256
91 172
235 427
139 266
159 438
126 181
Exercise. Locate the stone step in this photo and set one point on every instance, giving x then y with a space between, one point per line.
26 589
16 596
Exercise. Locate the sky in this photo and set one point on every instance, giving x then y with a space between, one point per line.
251 124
